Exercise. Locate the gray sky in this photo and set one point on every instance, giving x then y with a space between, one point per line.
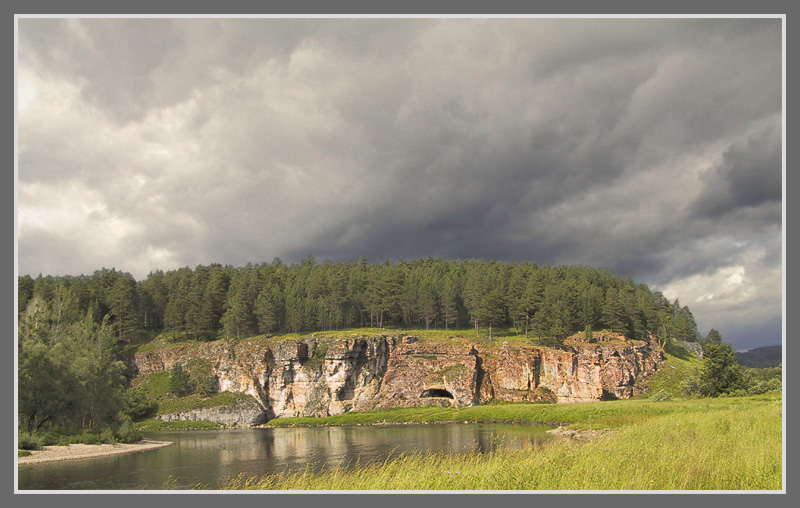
651 147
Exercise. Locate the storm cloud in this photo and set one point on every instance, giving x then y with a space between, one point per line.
652 147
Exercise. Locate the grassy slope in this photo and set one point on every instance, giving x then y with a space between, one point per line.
678 366
168 340
708 444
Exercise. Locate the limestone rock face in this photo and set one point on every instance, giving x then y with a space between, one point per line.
320 376
243 414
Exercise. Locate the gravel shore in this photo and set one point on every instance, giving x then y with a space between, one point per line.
84 451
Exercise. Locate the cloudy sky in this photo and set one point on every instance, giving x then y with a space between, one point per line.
651 147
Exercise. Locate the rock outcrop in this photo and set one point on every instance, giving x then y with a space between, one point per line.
317 376
245 413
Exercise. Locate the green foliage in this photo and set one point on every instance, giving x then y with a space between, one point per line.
713 337
764 380
190 402
137 405
661 396
317 358
127 433
720 374
209 302
179 381
27 441
155 385
158 425
202 379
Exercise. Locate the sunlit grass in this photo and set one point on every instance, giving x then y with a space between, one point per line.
714 444
578 416
465 336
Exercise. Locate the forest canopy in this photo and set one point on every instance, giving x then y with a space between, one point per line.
215 301
76 333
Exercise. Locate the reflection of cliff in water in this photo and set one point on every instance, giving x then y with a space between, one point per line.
210 458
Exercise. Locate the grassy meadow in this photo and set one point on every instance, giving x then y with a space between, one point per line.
697 444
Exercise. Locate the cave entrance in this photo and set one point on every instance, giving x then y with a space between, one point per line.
608 396
436 392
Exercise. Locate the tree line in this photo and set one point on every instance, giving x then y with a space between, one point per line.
215 301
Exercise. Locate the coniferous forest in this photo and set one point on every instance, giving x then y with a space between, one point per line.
76 332
212 302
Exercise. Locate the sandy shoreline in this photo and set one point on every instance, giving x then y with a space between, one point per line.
84 451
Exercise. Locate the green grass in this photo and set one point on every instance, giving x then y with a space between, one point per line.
679 367
708 444
158 425
156 385
190 402
577 416
168 340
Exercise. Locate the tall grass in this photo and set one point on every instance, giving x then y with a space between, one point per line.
719 444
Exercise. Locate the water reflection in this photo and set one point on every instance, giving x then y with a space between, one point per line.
211 458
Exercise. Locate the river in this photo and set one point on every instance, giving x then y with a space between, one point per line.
208 459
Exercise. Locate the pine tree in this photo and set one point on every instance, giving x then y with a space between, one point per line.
449 303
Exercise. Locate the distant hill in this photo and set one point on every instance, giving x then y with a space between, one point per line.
761 357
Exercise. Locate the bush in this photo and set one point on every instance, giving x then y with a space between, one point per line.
661 396
27 441
317 358
106 436
178 381
765 386
137 405
127 433
690 386
721 373
202 378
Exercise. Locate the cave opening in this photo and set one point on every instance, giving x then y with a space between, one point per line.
436 392
608 396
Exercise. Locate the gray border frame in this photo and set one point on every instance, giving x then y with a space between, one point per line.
14 7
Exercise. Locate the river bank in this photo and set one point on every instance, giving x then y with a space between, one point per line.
731 444
84 451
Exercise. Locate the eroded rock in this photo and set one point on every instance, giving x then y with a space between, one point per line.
318 376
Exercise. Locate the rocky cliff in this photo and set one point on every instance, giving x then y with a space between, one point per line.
317 376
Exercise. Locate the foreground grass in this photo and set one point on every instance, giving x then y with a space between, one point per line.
710 444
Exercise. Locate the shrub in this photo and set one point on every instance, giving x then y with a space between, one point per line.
690 386
202 378
765 386
137 405
178 381
661 396
27 441
92 438
106 436
127 433
317 358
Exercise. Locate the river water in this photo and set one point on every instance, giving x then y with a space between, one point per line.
208 459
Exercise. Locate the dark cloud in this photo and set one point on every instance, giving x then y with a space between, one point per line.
647 146
748 175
